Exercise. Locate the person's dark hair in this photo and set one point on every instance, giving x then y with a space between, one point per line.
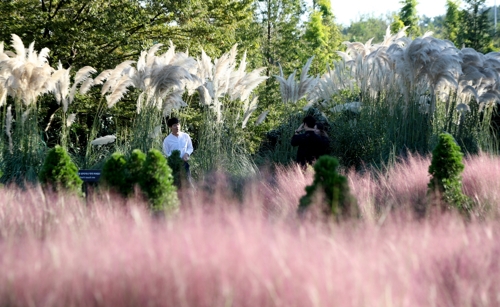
309 121
321 129
172 121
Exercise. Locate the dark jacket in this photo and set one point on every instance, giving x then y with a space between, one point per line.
311 147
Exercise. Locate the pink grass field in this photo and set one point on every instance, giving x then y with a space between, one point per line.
218 251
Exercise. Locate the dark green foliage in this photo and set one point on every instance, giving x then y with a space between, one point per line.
475 27
157 182
59 172
114 174
446 174
176 164
134 168
335 188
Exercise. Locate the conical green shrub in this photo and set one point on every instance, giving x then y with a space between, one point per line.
335 188
114 174
446 170
59 172
157 182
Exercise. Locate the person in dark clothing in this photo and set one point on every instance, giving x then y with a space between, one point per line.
310 144
320 130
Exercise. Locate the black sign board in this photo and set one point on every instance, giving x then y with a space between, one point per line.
89 175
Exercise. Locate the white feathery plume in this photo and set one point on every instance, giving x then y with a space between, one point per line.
104 140
81 76
8 126
115 75
173 101
261 118
86 85
168 56
18 46
104 75
119 90
150 57
291 91
205 97
248 108
70 120
156 132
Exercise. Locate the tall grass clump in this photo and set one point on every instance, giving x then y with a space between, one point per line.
446 175
25 75
328 183
59 173
400 94
227 103
157 183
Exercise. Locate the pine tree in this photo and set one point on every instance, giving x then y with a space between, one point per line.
475 27
335 187
446 169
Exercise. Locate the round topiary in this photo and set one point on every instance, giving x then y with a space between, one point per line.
59 172
446 174
114 174
157 183
335 188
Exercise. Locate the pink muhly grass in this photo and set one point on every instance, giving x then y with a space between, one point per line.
222 250
234 259
481 184
401 186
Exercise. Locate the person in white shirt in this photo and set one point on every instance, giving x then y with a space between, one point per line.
178 140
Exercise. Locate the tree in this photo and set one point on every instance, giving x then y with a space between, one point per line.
322 35
365 28
279 24
103 33
452 21
408 17
475 27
